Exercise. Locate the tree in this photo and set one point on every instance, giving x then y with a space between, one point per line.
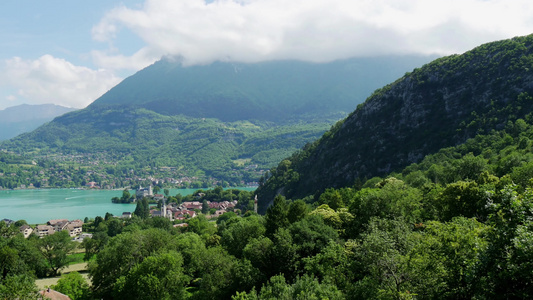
20 223
95 244
159 276
461 199
258 251
10 262
157 189
297 211
305 287
332 198
505 267
72 285
97 221
330 265
283 255
142 209
454 247
235 238
216 270
126 196
19 287
121 253
114 226
205 207
7 230
108 216
311 234
28 257
55 248
276 215
201 226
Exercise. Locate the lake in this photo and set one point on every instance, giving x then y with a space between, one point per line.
40 205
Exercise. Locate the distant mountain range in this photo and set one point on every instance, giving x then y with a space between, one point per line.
25 118
441 104
216 118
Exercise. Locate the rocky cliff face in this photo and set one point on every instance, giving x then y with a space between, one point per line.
439 105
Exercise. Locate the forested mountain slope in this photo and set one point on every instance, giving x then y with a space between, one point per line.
228 121
438 105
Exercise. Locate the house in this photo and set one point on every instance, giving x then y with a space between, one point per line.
214 205
44 230
141 193
54 222
126 215
184 213
159 197
219 212
71 230
26 230
156 213
53 295
75 227
191 205
92 185
8 221
58 224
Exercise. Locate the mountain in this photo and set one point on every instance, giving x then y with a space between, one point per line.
25 118
267 91
220 120
439 105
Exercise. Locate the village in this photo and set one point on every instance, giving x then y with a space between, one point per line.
185 210
174 212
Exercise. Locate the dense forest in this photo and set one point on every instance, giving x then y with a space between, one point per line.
457 225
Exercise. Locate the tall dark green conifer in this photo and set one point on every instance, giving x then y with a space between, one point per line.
276 215
142 209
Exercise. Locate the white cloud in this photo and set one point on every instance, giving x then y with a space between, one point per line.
116 61
53 80
316 30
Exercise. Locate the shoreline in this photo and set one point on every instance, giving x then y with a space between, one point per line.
121 189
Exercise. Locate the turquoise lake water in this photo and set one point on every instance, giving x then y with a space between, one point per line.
39 206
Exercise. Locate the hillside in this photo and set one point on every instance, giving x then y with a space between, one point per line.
25 118
439 105
227 121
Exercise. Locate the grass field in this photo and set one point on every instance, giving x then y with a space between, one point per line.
80 267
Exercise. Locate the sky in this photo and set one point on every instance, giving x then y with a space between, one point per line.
71 52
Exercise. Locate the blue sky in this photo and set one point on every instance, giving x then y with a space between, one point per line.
71 52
